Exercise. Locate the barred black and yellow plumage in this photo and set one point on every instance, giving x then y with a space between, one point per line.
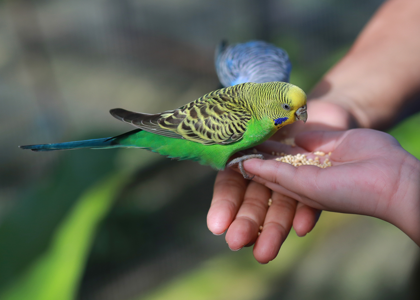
210 129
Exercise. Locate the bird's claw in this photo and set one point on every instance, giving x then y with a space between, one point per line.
240 160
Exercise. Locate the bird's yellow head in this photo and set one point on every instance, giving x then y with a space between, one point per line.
284 103
293 106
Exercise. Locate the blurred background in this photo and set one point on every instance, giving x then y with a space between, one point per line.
128 224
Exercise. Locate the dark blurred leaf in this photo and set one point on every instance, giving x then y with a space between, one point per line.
26 231
56 274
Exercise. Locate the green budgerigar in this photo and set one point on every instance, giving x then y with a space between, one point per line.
210 129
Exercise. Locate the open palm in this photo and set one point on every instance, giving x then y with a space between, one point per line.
371 175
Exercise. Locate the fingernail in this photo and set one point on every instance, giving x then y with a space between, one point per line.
218 233
234 249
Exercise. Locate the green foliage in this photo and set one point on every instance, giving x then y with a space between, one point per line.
232 275
26 231
57 272
407 134
29 231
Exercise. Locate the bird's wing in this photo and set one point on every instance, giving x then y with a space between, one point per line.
147 122
213 119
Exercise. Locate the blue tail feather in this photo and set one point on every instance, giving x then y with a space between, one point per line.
94 143
109 142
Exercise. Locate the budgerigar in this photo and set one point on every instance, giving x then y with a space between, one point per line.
254 61
210 129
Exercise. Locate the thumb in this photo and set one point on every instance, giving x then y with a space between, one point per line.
284 178
325 141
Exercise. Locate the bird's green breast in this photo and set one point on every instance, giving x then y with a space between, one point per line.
214 155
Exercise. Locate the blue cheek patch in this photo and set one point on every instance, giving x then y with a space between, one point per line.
279 121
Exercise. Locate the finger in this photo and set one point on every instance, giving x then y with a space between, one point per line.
304 183
277 225
305 219
272 171
229 190
251 215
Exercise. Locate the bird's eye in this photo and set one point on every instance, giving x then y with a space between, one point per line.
286 106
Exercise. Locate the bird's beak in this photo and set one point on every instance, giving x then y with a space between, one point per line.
301 114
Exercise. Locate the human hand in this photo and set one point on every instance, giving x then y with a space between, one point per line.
371 175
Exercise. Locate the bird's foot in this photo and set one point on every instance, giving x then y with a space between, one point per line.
240 160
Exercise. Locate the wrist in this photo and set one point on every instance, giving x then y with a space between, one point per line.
404 211
370 96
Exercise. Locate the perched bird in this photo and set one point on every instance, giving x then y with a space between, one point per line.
210 129
254 61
